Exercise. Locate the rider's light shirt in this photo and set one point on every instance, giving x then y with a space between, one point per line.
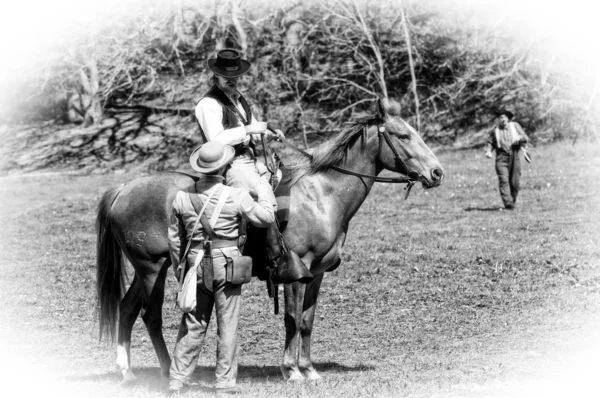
209 114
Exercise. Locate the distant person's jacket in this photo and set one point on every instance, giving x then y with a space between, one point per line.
504 139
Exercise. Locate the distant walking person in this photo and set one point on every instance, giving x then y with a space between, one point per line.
507 139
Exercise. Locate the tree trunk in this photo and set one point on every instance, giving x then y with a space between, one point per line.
412 66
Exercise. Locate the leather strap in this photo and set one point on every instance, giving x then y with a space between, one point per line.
208 226
207 267
219 207
189 243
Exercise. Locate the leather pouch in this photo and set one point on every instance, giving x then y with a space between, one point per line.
238 269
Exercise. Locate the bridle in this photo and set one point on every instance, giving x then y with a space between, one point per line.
410 177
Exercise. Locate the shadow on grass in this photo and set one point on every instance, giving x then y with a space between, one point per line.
269 372
151 379
482 208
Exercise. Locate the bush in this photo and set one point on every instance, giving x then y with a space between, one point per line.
315 67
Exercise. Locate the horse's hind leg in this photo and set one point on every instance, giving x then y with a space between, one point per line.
152 316
129 309
294 297
308 317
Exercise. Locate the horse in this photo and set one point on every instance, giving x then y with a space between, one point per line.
328 187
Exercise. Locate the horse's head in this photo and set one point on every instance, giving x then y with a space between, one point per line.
402 150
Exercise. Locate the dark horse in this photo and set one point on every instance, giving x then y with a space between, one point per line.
133 220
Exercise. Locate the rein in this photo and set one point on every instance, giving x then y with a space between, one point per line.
410 178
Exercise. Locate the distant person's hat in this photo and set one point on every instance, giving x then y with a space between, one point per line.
229 63
211 156
506 112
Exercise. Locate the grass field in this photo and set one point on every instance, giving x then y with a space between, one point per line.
441 295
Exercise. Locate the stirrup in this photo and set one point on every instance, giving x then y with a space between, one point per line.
289 269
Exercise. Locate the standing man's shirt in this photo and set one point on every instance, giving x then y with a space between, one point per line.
504 138
239 203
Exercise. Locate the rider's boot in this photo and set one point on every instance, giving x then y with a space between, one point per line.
284 267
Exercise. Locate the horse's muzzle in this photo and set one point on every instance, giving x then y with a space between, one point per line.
434 179
437 175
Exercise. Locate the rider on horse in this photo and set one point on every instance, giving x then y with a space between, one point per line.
224 115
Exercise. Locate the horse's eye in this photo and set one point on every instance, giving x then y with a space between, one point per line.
404 137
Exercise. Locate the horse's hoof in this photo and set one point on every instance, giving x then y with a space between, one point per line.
296 378
128 379
316 381
313 377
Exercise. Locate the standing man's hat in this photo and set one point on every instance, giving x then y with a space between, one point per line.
229 63
506 112
211 156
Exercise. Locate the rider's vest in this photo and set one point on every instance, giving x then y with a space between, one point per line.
230 116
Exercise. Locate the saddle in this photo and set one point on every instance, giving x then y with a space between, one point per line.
255 237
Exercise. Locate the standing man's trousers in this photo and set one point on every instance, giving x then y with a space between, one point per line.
227 299
508 168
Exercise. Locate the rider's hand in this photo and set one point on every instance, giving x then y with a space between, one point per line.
256 128
277 134
254 193
488 154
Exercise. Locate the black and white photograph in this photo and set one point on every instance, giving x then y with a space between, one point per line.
299 198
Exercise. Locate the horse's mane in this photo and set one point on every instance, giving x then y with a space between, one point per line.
333 152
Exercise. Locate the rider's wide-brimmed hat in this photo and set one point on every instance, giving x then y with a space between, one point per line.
211 156
229 63
506 112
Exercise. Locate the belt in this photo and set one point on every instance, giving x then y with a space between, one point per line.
207 263
223 243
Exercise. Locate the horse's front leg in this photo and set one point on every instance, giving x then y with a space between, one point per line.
294 299
129 309
308 317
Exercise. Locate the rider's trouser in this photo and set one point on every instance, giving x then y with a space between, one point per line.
249 174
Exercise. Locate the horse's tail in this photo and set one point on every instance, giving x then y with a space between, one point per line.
109 266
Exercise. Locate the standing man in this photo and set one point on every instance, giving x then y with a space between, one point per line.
507 139
224 115
224 210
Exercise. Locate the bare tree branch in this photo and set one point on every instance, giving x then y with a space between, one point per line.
411 64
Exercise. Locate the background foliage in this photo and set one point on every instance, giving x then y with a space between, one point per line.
131 82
